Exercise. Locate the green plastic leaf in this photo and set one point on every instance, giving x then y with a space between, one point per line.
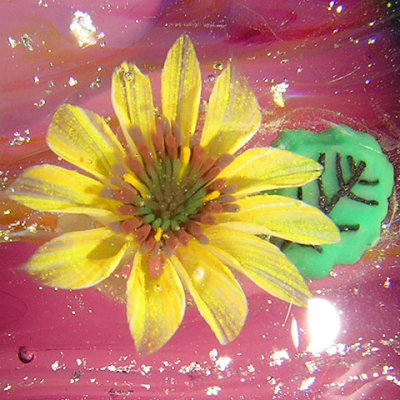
353 190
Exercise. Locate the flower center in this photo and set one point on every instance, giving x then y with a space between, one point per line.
172 200
170 190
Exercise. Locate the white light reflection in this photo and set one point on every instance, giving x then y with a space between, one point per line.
83 29
323 324
294 330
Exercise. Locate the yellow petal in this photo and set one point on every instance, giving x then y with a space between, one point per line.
217 294
233 115
51 188
155 306
84 139
181 86
78 260
133 101
267 168
285 218
261 261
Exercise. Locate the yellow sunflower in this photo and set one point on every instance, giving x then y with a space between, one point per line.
175 203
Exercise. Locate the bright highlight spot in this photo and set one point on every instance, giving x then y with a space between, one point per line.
83 29
294 330
277 93
323 325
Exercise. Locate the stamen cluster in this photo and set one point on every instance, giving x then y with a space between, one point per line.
170 190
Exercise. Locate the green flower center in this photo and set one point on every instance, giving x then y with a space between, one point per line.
173 196
170 190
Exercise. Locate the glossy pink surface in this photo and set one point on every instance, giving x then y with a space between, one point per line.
341 61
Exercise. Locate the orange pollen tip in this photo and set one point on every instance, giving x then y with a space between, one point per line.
158 143
183 237
227 198
171 242
126 209
214 207
229 189
145 153
207 219
207 164
203 239
172 147
224 160
142 233
211 174
230 207
197 157
155 267
136 134
136 166
125 195
130 225
150 244
177 133
194 229
219 184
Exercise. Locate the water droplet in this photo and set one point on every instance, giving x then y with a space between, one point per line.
25 354
198 274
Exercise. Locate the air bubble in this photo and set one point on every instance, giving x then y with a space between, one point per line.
25 354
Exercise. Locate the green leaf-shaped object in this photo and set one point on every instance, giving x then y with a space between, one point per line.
353 190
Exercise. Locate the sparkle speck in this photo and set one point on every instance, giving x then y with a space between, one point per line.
83 29
306 383
278 91
12 42
20 138
27 41
40 103
72 81
387 283
213 390
223 362
55 366
278 357
213 354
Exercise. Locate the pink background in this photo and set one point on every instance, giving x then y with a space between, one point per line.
341 60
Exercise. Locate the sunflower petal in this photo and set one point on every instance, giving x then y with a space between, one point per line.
78 260
261 261
181 86
267 168
84 139
155 306
285 218
133 101
52 188
233 115
217 294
